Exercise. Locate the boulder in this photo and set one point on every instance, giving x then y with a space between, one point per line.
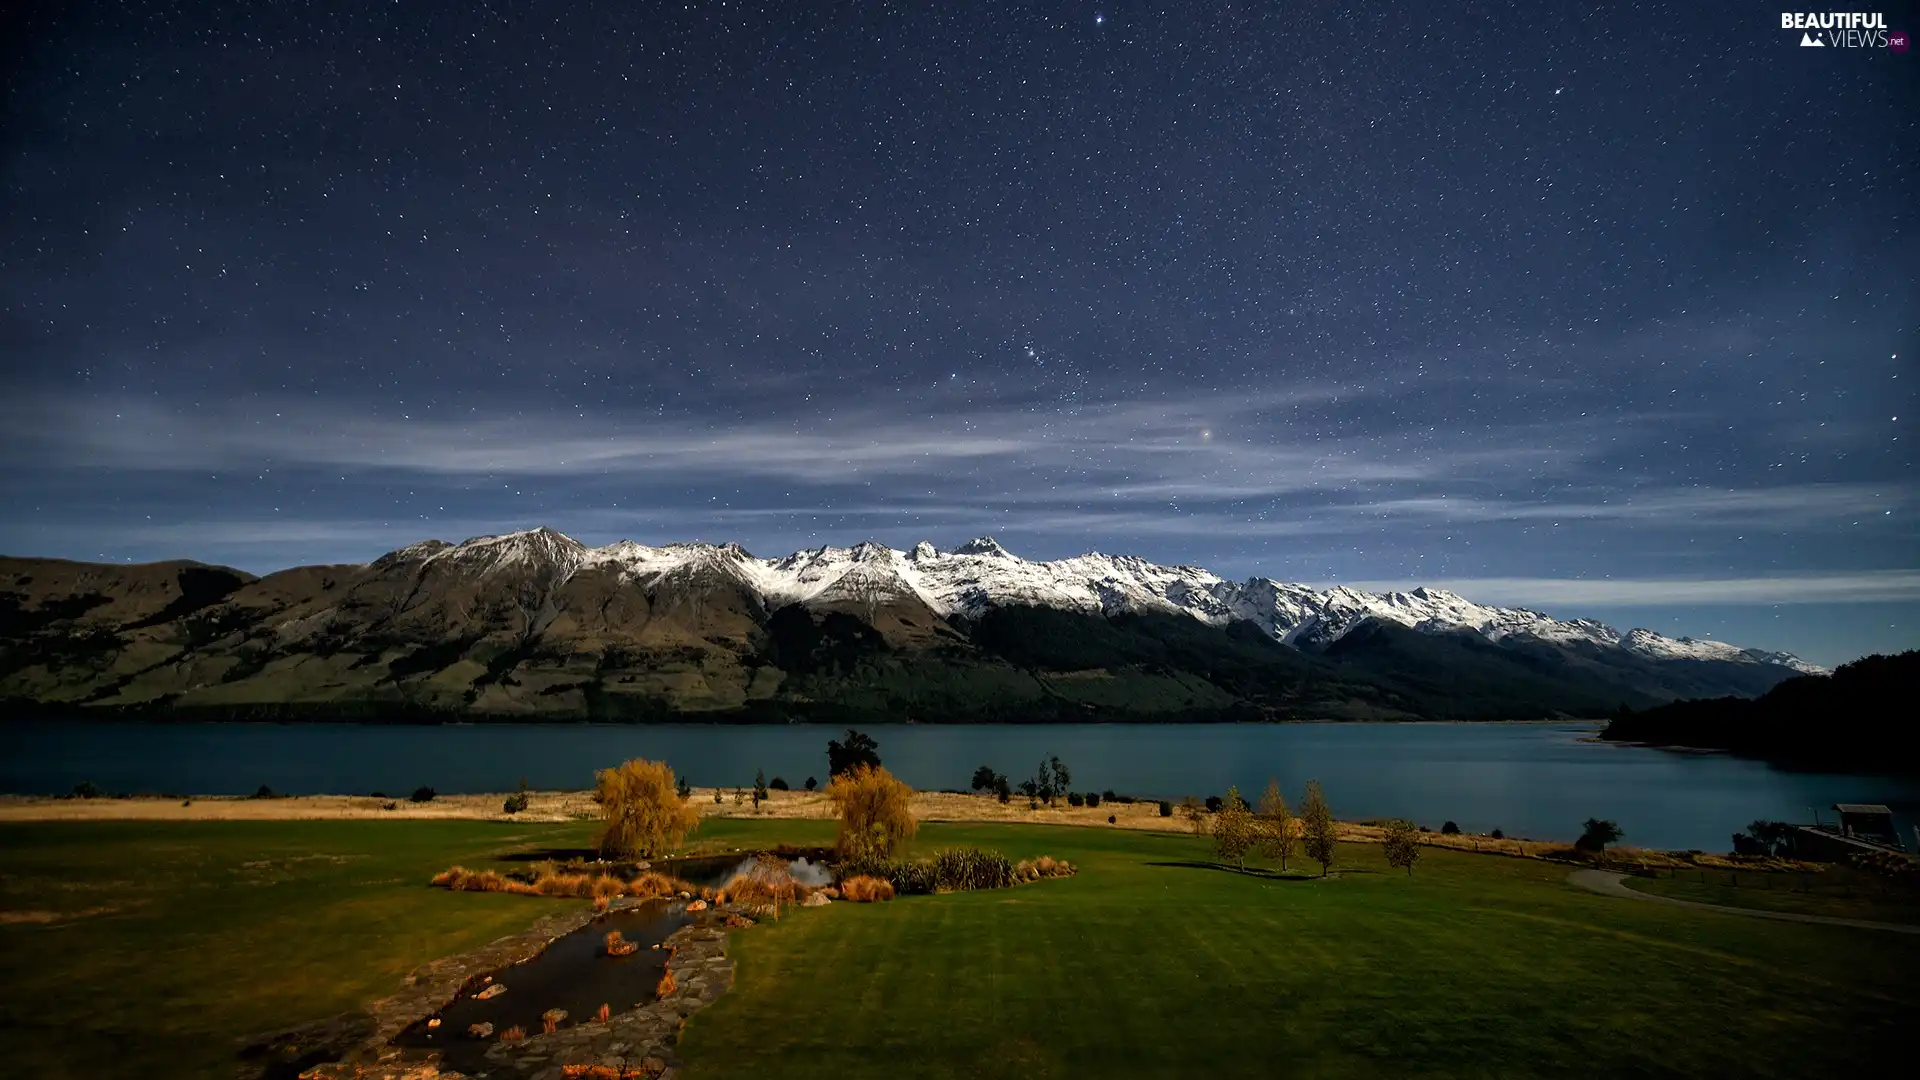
816 899
490 992
481 1030
696 905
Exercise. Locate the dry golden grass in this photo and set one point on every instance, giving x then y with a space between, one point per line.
866 890
514 1034
618 945
601 904
600 888
550 1020
603 1012
666 984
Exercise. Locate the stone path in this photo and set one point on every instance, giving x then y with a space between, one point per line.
1610 884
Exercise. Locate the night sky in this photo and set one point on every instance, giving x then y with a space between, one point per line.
1609 312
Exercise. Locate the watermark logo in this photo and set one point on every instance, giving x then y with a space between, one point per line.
1844 30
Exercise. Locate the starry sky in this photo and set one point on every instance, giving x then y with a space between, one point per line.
1608 310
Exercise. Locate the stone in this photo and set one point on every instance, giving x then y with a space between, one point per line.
696 905
493 991
816 899
481 1030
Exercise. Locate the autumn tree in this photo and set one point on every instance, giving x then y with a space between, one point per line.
1401 842
643 810
1316 819
1233 829
1276 824
876 811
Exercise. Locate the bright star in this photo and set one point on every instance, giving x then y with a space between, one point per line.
1099 20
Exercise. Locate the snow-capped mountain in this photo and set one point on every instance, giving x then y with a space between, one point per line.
981 575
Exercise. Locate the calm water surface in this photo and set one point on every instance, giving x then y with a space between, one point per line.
1534 780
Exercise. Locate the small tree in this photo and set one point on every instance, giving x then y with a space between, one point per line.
1276 824
759 787
1214 803
423 794
684 789
983 778
1316 819
876 811
1597 834
1001 789
1166 808
778 784
1233 829
1448 828
515 803
812 783
1402 845
1061 777
1196 815
643 812
857 750
1093 798
1074 798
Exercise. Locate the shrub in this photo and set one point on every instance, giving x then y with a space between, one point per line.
1074 798
683 789
603 1013
642 809
1045 866
1449 829
718 798
1497 835
390 806
812 783
876 811
420 794
866 890
1110 819
1166 808
1093 799
778 784
1402 845
515 803
1109 796
87 789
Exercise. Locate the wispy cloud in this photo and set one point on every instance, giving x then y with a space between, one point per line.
1871 586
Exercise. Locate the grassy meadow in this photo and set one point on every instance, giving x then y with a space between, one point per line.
177 938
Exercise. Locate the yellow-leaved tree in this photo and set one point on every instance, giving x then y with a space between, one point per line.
876 811
642 808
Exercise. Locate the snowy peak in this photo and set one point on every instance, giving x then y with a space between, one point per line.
984 545
981 575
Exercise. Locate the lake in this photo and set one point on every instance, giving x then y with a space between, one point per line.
1534 780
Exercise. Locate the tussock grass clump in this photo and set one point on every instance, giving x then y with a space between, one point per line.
601 904
618 945
514 1034
1046 866
603 1013
600 888
550 1020
665 985
866 890
767 886
964 869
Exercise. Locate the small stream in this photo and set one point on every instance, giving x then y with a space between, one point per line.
573 973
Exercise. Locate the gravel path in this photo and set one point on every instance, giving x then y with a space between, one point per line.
1609 884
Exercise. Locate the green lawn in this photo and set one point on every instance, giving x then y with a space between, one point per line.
1838 891
1143 965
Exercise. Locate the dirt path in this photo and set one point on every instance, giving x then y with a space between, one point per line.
1610 884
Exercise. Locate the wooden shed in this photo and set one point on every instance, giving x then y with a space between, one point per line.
1867 821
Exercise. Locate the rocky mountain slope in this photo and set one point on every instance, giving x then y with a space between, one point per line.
536 624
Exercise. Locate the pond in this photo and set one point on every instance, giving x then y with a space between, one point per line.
1534 780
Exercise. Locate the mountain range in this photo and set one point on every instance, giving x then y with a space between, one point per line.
534 625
